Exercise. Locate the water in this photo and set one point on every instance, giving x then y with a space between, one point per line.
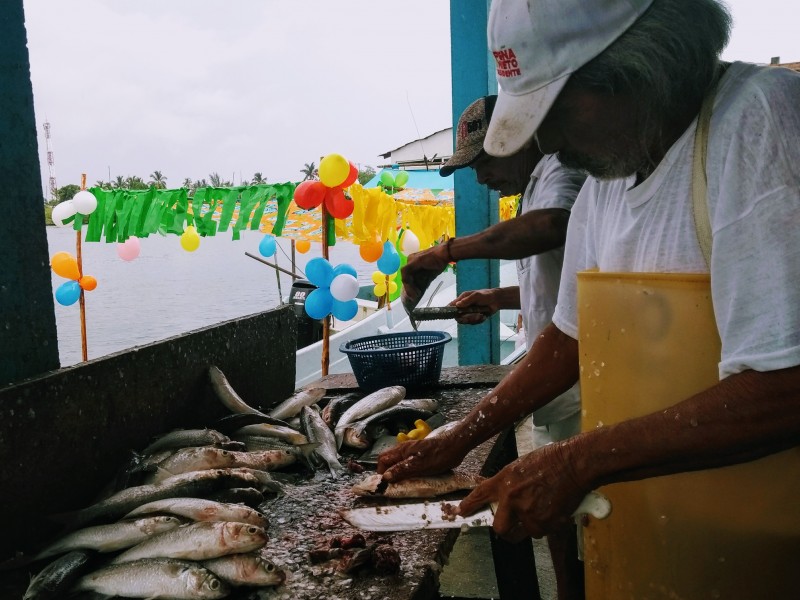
167 291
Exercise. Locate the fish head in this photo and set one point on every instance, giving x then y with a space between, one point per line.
244 534
203 584
159 523
266 572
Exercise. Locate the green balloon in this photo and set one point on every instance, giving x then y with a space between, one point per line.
386 179
401 179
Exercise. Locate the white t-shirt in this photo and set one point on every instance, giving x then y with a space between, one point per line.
551 186
753 169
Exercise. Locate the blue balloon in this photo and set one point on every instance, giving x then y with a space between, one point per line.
344 268
344 311
319 272
68 293
268 246
389 261
319 304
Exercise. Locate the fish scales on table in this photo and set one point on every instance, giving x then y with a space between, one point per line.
198 541
231 400
248 569
292 406
112 537
365 431
368 405
201 509
318 431
57 578
155 578
417 487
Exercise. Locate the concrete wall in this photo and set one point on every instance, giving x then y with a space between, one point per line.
64 435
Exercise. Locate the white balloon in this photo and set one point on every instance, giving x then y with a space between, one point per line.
62 211
85 202
344 287
410 242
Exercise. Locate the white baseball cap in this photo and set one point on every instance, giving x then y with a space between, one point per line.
537 45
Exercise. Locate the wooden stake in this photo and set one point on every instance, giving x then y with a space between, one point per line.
326 322
81 300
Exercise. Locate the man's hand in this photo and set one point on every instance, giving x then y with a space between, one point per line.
422 268
537 494
420 457
488 298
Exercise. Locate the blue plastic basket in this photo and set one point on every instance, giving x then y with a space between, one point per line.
410 359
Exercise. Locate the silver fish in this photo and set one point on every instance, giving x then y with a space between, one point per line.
248 496
286 434
184 438
368 405
294 404
199 509
407 410
417 487
57 578
156 578
336 407
231 400
319 432
248 569
110 538
198 541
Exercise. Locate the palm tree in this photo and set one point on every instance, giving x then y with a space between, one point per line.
309 171
217 181
259 179
158 180
134 182
187 183
119 182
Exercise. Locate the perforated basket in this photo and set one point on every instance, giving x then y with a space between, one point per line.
410 359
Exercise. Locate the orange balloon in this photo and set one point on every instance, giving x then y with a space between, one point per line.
65 265
87 282
370 251
302 246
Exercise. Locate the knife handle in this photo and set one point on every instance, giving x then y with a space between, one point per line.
594 504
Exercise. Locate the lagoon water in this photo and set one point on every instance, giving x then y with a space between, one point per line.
167 291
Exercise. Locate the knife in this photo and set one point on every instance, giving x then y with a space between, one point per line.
438 514
436 313
409 305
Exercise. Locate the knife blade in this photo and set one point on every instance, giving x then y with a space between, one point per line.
436 313
409 305
438 514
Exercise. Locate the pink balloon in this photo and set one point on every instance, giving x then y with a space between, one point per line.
129 249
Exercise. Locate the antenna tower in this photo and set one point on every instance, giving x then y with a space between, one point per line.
52 188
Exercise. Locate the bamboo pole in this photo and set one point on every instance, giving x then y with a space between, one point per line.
294 263
81 299
276 267
326 322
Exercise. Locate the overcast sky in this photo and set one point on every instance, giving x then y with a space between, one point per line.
191 87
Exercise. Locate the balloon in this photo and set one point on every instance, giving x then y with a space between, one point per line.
370 251
345 268
389 261
344 311
63 211
65 265
309 194
87 282
344 287
351 177
392 287
333 170
190 241
337 205
85 202
386 179
302 246
410 242
68 293
319 272
319 303
378 278
379 290
268 245
129 249
401 179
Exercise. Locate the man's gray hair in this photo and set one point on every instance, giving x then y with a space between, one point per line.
667 60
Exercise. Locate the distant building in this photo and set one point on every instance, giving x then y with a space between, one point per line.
427 154
776 62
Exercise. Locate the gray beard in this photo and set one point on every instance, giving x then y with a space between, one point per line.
610 166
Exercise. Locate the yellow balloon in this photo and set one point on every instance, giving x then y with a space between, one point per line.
333 170
190 241
302 246
392 287
380 290
65 265
378 278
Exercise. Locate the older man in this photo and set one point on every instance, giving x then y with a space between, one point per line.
695 166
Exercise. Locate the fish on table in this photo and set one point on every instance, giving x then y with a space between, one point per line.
246 569
184 438
368 405
417 487
361 434
292 406
201 509
318 431
57 578
231 400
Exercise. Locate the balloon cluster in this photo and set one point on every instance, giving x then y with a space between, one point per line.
337 288
383 284
391 183
65 265
335 174
83 202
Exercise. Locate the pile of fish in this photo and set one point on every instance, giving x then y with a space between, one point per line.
182 519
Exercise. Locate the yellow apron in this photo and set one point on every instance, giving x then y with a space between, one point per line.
646 342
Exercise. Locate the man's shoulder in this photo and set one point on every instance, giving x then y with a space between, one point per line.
745 83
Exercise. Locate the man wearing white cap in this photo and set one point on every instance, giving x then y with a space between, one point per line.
695 166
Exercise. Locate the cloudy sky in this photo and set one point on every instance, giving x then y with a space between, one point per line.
191 87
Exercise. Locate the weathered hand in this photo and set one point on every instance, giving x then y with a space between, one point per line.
486 298
422 268
419 457
537 494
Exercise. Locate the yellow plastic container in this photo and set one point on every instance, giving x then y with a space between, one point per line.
648 341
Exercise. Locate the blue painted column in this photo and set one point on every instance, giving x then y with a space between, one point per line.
476 207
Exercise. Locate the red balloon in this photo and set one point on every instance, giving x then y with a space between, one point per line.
309 194
338 206
351 177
